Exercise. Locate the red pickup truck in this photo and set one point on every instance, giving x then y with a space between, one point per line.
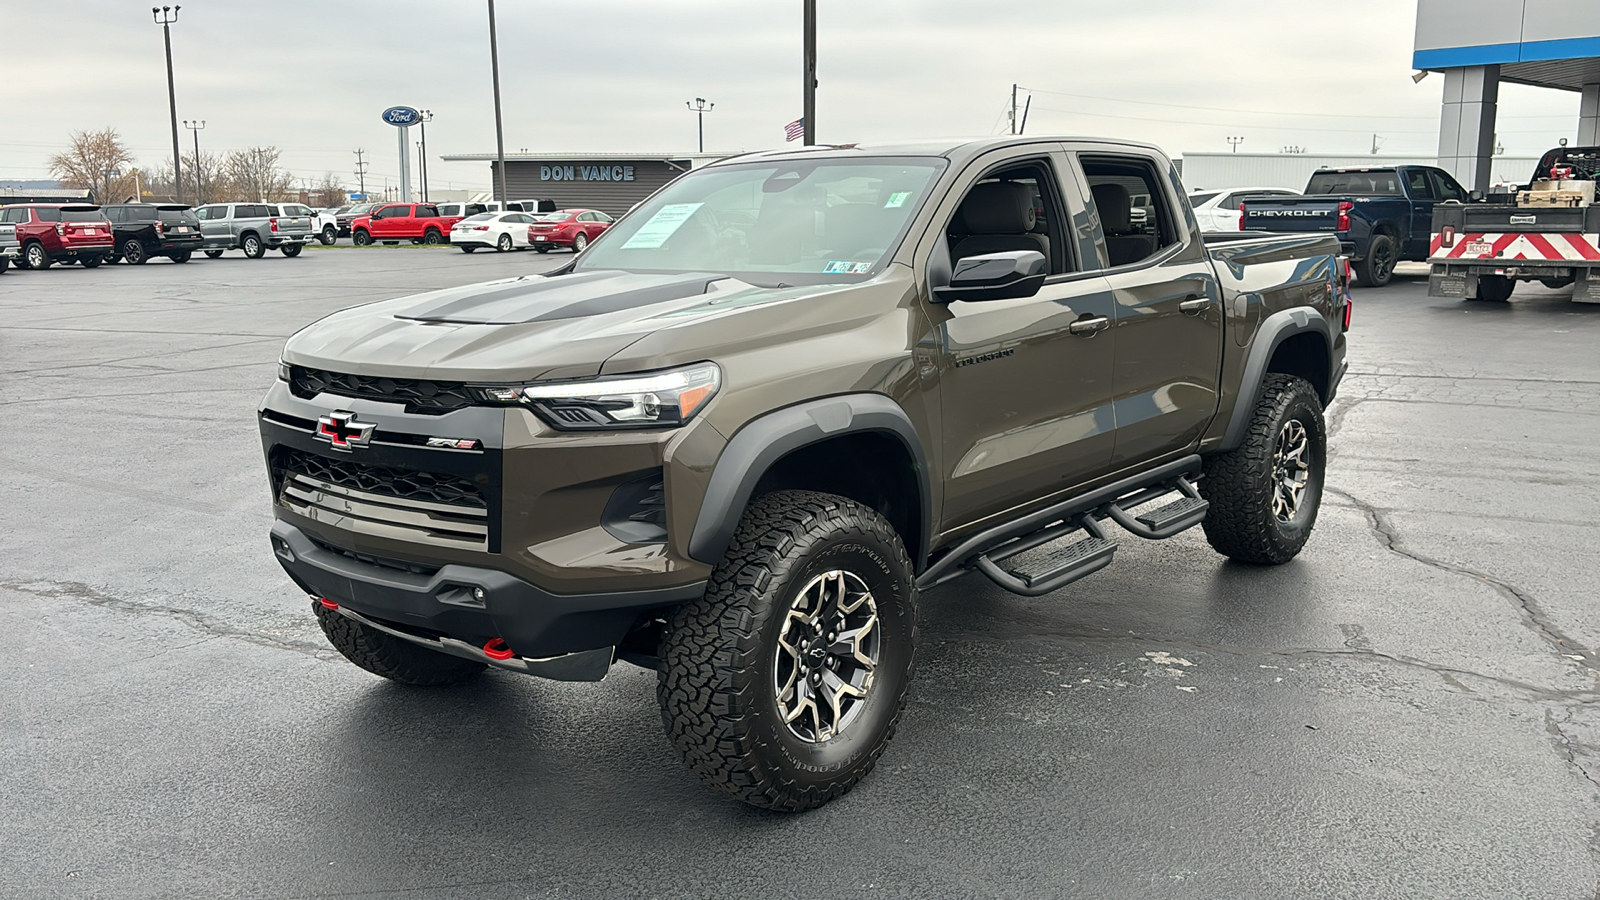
54 232
419 223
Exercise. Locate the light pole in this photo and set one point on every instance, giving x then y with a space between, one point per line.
499 133
700 107
425 116
808 64
199 186
165 16
1234 142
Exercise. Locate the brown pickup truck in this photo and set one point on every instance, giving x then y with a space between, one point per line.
733 439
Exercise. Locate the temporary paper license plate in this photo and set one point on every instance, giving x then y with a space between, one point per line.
1477 248
539 237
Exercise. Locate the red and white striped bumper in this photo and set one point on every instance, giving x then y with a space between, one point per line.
1508 247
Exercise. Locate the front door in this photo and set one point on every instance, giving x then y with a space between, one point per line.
1025 397
1169 317
1418 234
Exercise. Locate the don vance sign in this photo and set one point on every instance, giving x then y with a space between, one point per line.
586 173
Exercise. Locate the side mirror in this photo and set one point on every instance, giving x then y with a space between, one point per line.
1010 275
1476 196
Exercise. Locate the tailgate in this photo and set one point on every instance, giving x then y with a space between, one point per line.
1291 214
1482 231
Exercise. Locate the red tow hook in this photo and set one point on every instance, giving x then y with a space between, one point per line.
497 648
327 604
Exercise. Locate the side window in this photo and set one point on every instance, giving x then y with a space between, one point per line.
448 209
114 214
1446 188
1016 207
15 216
1136 217
46 214
427 212
602 217
1418 185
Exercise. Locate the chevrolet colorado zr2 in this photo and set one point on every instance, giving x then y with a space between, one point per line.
735 438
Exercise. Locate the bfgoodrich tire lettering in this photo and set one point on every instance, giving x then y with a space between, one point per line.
388 656
719 697
1251 518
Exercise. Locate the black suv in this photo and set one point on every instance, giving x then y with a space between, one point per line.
143 230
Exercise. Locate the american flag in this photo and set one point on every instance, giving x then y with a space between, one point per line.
795 130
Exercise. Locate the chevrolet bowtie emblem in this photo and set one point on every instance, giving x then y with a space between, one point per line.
341 429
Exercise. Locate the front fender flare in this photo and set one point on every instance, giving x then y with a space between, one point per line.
1273 331
764 441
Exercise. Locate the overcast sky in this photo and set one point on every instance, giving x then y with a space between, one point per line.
312 76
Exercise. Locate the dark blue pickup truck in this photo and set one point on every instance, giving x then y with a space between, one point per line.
1380 215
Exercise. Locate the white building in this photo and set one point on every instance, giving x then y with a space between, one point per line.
1225 171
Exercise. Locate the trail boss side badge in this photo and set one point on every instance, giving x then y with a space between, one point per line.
341 429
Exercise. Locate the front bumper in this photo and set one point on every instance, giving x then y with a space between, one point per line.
461 607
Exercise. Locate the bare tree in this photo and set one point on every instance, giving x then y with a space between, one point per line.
95 156
328 192
254 174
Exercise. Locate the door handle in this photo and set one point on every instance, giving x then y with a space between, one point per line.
1195 304
1089 325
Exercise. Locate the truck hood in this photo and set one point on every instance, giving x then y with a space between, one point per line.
519 329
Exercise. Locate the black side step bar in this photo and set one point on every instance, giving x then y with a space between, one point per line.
1056 569
1181 514
1066 513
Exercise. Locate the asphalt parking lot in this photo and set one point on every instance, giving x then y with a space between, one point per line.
1410 709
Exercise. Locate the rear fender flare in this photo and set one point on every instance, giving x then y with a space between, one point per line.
764 441
1273 331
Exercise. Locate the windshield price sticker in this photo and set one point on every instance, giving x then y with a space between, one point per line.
897 199
664 224
846 267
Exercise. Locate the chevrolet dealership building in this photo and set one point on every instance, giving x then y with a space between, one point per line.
609 182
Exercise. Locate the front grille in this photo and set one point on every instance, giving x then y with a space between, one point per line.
381 500
419 395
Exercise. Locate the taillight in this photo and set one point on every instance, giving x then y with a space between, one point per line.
61 228
1344 215
160 229
1447 236
273 224
480 228
1348 305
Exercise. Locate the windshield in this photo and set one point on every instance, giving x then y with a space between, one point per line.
821 220
1377 182
1197 199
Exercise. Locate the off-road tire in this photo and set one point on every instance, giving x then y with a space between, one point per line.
1240 485
328 236
213 254
717 657
254 247
1495 288
390 657
1378 267
133 251
503 244
361 237
291 250
35 255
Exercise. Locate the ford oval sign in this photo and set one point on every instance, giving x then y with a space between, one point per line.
401 116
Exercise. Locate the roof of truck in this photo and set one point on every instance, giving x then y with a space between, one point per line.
956 149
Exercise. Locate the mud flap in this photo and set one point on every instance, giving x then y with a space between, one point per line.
1587 288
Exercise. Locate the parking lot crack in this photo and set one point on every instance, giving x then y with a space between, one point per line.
1533 615
210 626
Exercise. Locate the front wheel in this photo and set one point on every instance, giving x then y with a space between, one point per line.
783 684
1264 494
290 250
1378 267
328 236
580 242
361 238
213 254
1495 288
390 657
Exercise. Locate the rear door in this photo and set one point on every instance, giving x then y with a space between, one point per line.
1168 320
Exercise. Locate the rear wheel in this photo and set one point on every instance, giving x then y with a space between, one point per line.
328 236
133 251
181 256
468 249
213 254
580 242
291 250
1265 493
1495 288
432 236
361 237
253 248
35 257
91 262
390 657
1378 267
542 248
503 244
783 684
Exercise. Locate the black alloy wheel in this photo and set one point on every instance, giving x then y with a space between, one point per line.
1378 267
432 237
361 238
180 256
213 254
91 262
133 251
291 250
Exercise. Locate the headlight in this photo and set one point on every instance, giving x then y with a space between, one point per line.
283 370
631 401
